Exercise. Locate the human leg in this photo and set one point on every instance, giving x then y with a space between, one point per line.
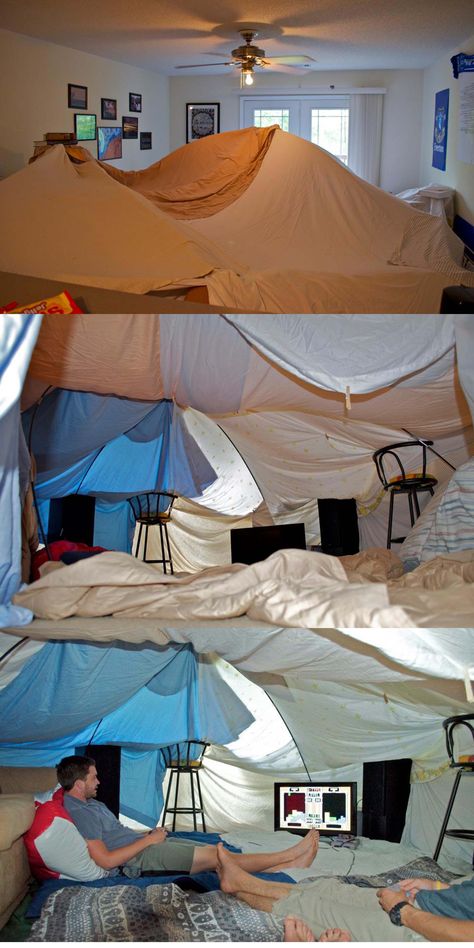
179 855
301 855
329 903
259 893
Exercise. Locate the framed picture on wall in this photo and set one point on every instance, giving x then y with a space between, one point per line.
108 109
76 96
135 101
440 132
145 141
85 127
202 119
109 142
129 126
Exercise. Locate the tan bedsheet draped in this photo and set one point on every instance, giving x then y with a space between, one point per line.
203 177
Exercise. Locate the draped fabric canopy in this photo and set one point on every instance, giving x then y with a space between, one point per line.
266 221
278 389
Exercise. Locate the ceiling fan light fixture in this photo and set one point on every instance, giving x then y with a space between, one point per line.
246 75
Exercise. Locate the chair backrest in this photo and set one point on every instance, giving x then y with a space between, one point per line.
450 724
152 505
185 754
394 451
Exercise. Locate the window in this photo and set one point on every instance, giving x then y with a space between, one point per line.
349 126
262 118
323 120
330 129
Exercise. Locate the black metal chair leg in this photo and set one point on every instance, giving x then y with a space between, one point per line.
447 815
201 805
168 793
169 548
146 541
176 799
417 506
390 519
193 800
137 549
163 556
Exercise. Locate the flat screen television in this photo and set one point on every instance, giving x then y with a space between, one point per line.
252 544
330 808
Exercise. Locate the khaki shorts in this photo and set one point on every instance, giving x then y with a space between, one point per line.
174 854
329 903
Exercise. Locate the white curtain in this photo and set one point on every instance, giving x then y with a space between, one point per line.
365 135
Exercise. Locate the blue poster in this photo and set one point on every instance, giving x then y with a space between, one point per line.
440 134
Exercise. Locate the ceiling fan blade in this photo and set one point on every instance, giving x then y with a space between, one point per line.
202 65
291 60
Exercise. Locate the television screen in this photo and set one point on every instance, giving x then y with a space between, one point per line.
327 807
252 544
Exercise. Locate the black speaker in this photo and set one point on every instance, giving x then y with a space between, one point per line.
107 760
385 792
339 527
457 299
72 518
252 544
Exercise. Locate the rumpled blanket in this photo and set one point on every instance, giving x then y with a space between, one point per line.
166 913
158 913
290 588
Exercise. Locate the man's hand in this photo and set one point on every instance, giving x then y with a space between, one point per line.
156 836
412 886
388 898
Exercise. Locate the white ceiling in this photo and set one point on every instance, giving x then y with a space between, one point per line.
161 34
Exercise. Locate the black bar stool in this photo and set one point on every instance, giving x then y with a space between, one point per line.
154 509
465 765
184 758
404 482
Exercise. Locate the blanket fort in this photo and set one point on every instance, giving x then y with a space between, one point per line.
218 213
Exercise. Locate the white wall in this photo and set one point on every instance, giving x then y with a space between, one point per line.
401 140
35 77
458 174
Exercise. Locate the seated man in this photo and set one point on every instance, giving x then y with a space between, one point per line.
434 910
112 845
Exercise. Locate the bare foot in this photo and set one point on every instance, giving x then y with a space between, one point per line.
297 930
232 878
300 856
335 934
294 852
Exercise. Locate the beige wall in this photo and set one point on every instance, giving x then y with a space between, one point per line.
402 109
35 76
458 174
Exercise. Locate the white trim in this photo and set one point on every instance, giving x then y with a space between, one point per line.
317 92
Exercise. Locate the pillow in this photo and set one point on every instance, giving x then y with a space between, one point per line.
55 847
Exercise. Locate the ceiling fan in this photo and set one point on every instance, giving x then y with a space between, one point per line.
248 56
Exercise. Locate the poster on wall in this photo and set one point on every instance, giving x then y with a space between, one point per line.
463 68
440 132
